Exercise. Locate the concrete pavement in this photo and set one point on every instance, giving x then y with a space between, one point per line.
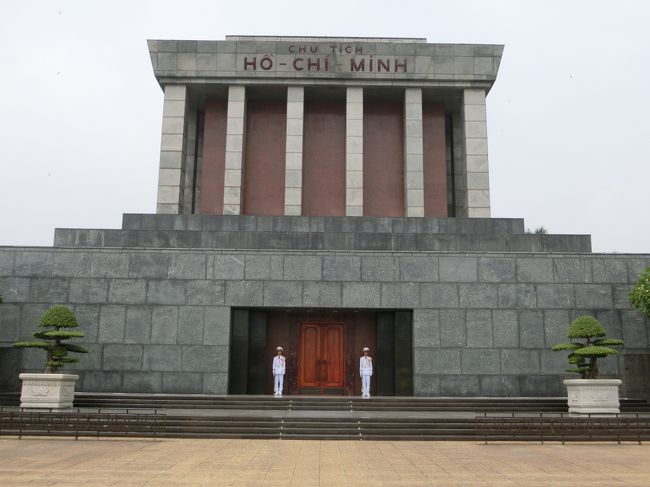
210 462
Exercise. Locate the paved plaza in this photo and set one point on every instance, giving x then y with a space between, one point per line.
133 462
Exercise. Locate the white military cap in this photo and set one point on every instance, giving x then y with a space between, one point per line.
365 349
279 348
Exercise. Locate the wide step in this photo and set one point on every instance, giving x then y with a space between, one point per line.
535 428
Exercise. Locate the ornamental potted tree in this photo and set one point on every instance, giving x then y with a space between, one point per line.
589 394
51 389
640 295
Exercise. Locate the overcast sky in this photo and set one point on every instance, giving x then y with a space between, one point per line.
568 117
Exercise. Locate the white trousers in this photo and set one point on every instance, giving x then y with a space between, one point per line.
278 383
365 385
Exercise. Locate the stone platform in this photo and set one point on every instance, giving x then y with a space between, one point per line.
155 298
322 233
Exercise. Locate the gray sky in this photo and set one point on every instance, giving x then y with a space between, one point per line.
568 118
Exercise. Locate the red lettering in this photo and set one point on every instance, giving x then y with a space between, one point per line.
399 65
313 49
371 62
295 64
358 50
311 64
383 64
361 66
250 63
266 63
333 48
302 49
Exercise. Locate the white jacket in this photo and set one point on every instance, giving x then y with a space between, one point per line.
365 366
279 365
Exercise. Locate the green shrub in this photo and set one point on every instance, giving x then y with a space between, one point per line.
56 324
640 295
587 346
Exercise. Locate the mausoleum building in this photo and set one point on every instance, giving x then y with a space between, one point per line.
323 195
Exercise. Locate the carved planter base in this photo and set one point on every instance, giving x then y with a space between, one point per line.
54 391
595 396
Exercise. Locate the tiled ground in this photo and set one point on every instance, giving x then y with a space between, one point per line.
58 462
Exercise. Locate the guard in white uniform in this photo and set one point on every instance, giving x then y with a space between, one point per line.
365 370
279 368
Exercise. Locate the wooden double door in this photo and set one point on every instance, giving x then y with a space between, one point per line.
321 358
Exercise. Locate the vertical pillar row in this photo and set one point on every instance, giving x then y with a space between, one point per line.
293 156
173 144
413 153
354 152
476 153
234 162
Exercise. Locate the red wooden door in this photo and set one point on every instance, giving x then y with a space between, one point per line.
321 367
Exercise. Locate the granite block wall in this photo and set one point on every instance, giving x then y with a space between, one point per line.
158 320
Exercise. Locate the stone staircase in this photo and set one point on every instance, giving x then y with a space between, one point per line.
317 403
321 428
303 417
324 403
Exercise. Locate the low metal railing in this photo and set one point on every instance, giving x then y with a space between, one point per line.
80 423
564 427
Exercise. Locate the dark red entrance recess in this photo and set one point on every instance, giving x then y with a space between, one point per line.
359 330
321 364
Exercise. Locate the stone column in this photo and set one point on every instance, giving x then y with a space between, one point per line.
476 153
354 152
173 144
233 177
413 153
190 162
293 157
460 179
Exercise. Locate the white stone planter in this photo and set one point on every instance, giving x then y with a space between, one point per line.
596 396
54 391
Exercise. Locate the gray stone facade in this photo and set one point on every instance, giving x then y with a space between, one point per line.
486 301
158 319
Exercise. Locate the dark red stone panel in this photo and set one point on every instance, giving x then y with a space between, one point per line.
435 163
214 156
383 158
324 158
266 122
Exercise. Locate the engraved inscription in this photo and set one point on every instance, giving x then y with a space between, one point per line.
312 58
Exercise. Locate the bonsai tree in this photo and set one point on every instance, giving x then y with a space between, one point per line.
589 343
640 295
55 327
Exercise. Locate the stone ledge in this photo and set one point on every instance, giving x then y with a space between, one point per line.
289 240
339 224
